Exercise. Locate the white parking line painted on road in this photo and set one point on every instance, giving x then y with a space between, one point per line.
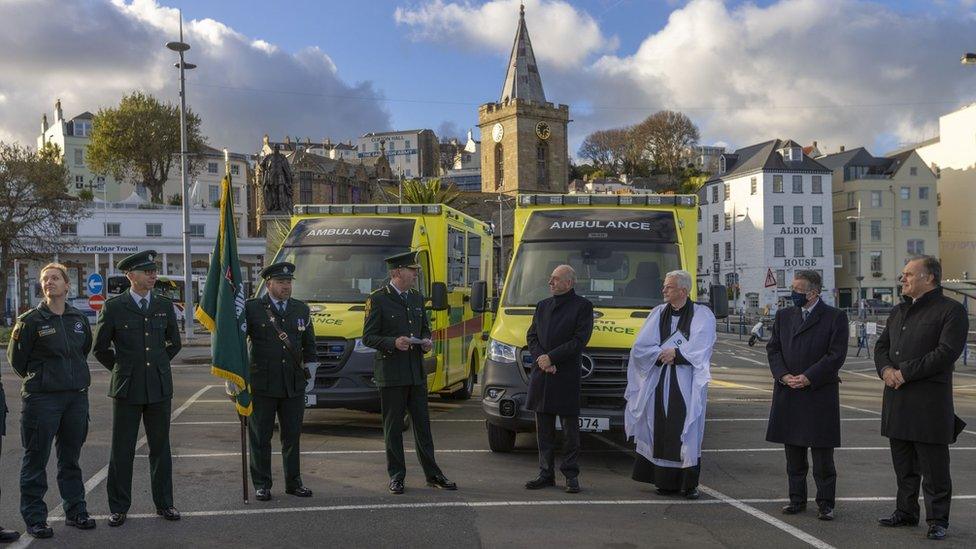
205 423
839 449
736 419
363 452
98 477
744 507
740 357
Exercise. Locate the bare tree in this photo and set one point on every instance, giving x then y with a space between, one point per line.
606 149
665 138
34 205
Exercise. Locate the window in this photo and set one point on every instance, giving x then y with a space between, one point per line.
113 229
855 268
700 263
542 164
798 215
699 239
752 186
499 166
777 183
406 143
905 193
455 258
305 187
852 230
729 279
780 278
875 199
211 167
851 200
154 230
798 247
82 128
70 229
474 258
875 230
79 182
913 171
923 218
817 215
715 223
236 191
778 215
797 184
699 213
916 247
816 186
727 189
923 193
728 221
817 247
715 253
214 193
79 157
876 261
197 230
235 169
906 218
728 251
715 194
779 247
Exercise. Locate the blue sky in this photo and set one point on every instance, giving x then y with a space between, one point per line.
849 72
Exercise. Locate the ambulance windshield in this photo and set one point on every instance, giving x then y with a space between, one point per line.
338 274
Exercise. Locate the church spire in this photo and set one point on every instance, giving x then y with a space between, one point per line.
522 81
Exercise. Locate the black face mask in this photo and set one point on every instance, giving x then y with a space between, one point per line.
798 299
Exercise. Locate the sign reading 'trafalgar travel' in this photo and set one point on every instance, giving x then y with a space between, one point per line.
601 224
365 231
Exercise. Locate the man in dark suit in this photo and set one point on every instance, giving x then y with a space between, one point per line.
561 328
915 356
282 353
806 351
397 327
141 327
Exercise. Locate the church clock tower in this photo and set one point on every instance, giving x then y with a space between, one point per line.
523 137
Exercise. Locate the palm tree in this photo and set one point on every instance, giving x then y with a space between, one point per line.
417 191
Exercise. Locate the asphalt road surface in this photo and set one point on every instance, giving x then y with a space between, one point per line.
744 479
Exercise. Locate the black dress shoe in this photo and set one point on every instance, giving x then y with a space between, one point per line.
572 486
40 530
262 494
170 513
116 519
7 536
301 492
897 519
825 513
81 521
794 508
936 532
691 494
396 486
540 482
440 481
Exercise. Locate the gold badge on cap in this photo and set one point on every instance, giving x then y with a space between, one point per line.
152 257
285 269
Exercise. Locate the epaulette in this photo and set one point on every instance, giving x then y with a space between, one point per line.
161 296
113 298
25 314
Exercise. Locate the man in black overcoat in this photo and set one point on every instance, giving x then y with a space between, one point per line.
915 357
806 352
561 327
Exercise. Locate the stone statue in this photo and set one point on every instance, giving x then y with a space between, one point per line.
276 182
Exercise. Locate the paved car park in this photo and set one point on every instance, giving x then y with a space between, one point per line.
744 480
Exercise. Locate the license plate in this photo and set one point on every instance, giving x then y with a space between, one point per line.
310 400
589 424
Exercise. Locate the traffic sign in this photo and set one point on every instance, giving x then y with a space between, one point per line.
96 301
770 279
95 284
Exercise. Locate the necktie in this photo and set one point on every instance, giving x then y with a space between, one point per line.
806 313
144 304
281 308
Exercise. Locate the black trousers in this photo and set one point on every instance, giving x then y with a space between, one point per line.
155 418
545 429
290 413
928 463
824 474
46 417
394 401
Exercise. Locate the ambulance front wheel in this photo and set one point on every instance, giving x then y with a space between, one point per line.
500 439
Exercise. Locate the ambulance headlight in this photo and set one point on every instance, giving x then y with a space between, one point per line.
501 352
361 347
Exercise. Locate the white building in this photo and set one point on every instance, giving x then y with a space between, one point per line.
767 210
412 153
952 156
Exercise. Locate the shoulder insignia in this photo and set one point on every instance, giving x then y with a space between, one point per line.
25 314
16 333
369 303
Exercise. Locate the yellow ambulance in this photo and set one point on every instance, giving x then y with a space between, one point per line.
338 252
620 246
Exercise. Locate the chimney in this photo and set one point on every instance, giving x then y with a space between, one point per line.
43 124
327 143
58 116
814 144
841 148
287 140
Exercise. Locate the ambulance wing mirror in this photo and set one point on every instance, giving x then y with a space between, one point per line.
479 296
718 298
438 296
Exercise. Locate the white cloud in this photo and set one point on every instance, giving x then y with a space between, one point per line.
91 53
562 36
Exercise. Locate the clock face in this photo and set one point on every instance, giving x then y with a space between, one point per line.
497 132
542 130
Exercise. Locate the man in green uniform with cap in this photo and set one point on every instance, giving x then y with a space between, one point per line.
283 361
397 327
136 337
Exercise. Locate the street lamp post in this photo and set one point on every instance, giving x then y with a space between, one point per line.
501 238
735 270
860 274
181 47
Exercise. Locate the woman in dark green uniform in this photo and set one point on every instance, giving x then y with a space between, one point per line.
49 349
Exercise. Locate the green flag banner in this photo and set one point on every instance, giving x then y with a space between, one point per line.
221 308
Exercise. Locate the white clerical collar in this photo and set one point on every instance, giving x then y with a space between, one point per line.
138 298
